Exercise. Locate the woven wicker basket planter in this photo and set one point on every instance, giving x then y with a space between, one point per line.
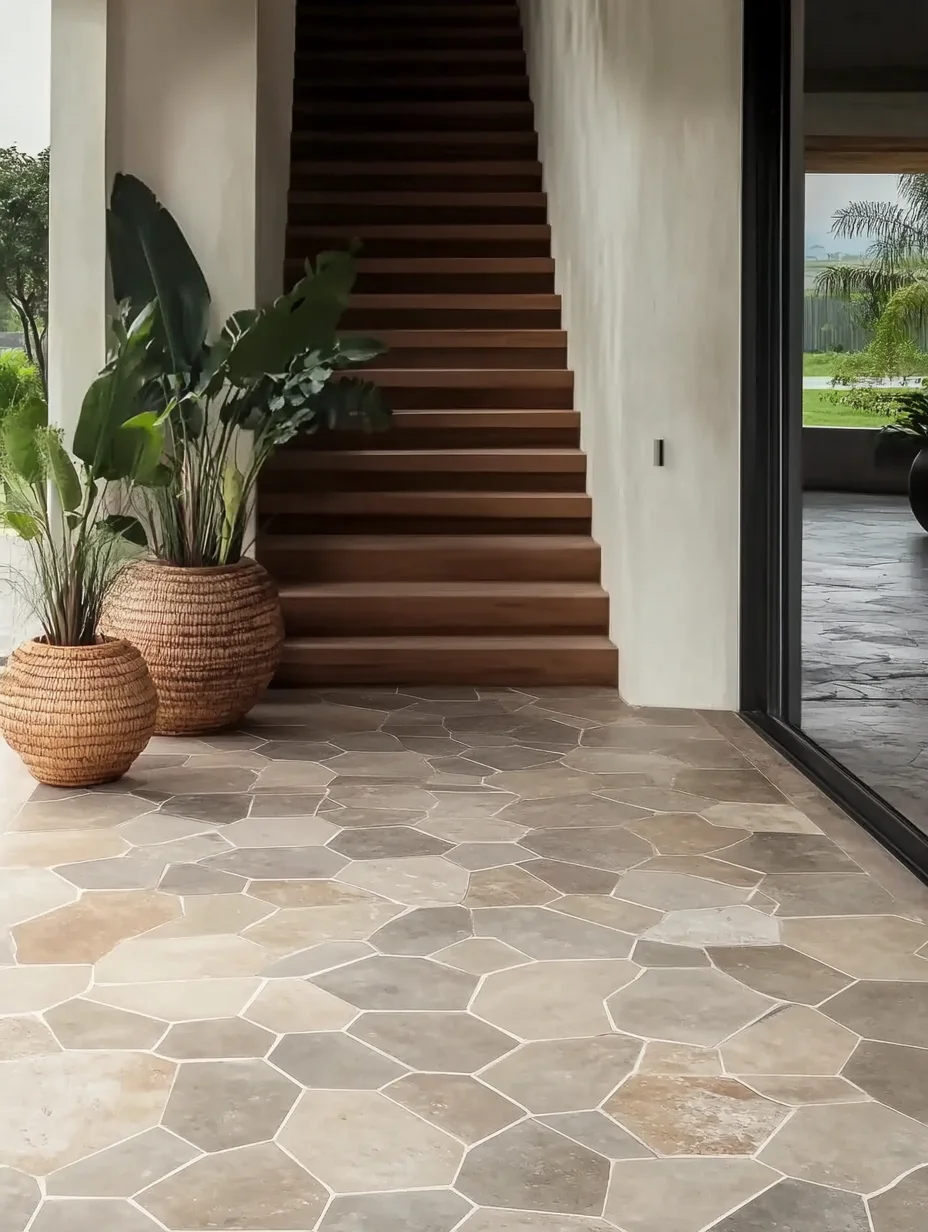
77 715
211 638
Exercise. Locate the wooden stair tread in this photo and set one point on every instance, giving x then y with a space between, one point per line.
374 589
470 378
420 339
442 231
342 197
450 643
498 166
533 460
427 542
413 107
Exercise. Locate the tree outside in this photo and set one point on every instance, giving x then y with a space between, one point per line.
24 247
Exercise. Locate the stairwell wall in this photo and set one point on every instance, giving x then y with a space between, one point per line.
638 107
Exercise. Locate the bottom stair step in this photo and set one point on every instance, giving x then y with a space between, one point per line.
448 660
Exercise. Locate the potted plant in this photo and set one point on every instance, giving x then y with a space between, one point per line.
908 432
77 707
205 616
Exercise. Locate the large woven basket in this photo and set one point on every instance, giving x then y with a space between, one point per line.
77 715
211 638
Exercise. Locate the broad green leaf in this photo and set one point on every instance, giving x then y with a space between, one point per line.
21 428
24 524
353 350
126 527
63 475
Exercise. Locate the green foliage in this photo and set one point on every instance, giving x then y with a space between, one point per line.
868 400
63 506
24 245
910 426
215 411
19 380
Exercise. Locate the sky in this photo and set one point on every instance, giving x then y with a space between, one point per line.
24 74
827 193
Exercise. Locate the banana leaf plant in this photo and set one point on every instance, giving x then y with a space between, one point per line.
218 407
63 504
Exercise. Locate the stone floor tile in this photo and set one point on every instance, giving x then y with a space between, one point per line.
206 915
418 881
280 832
552 1000
355 1140
599 1133
686 1007
423 1210
299 927
735 786
285 1005
822 894
72 1215
333 1060
154 829
424 930
87 812
481 956
124 1169
882 1010
476 856
217 1105
393 765
874 947
179 1000
361 818
180 958
902 1208
571 878
317 958
614 913
99 1099
297 750
29 892
710 868
25 1037
530 1167
893 1074
834 1145
684 834
705 926
387 842
279 863
441 1042
46 850
797 1090
793 1039
615 849
198 879
362 795
19 1197
317 892
215 1039
580 810
693 1115
456 1103
660 1057
486 1220
513 757
659 954
565 1075
293 776
219 809
25 990
546 934
760 818
790 853
254 1188
777 971
682 1195
472 829
285 804
615 761
656 799
135 871
677 891
391 983
509 886
799 1207
84 1024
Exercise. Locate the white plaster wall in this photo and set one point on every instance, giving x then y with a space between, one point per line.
276 45
638 106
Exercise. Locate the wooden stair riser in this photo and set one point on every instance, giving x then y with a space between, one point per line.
461 430
420 243
322 39
333 178
360 209
387 87
413 146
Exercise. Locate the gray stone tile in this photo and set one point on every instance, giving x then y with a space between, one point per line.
542 933
883 1010
88 1215
790 853
795 1206
219 808
379 842
424 930
893 1074
19 1196
902 1208
780 972
456 1103
615 849
214 1039
659 954
814 894
286 804
443 1042
223 1104
279 863
199 879
682 1195
333 1060
124 1169
435 1210
598 1132
568 1075
687 1007
392 983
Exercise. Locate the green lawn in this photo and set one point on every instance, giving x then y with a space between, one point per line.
819 363
819 411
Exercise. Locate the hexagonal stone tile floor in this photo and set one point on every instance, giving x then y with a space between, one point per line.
440 959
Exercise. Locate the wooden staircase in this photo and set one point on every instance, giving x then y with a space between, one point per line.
455 549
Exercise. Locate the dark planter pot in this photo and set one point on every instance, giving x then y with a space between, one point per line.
918 488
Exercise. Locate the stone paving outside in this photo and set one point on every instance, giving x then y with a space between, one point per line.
456 959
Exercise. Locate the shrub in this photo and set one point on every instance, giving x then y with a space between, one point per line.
19 380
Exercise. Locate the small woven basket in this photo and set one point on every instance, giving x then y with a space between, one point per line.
77 715
211 638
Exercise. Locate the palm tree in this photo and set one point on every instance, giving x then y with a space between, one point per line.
896 260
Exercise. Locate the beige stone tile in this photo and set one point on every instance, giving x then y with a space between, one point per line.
334 1061
280 832
28 892
580 809
507 887
660 1057
429 1210
25 990
295 1005
860 1147
26 850
25 1037
423 930
681 1195
360 1141
614 849
85 1024
758 818
469 829
481 955
99 1099
867 947
893 1074
180 958
218 1105
798 1089
215 1039
686 1006
684 834
572 878
676 891
292 776
778 971
568 1075
902 1208
19 1197
615 761
695 1115
738 925
433 1040
206 914
394 765
124 1169
311 893
545 934
240 759
85 931
416 881
626 917
825 894
90 1214
155 829
457 1103
485 1220
398 982
179 1000
318 958
792 1040
297 928
711 868
250 1187
552 1000
92 811
547 783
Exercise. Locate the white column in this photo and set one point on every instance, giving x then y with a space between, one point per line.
638 106
276 45
77 208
